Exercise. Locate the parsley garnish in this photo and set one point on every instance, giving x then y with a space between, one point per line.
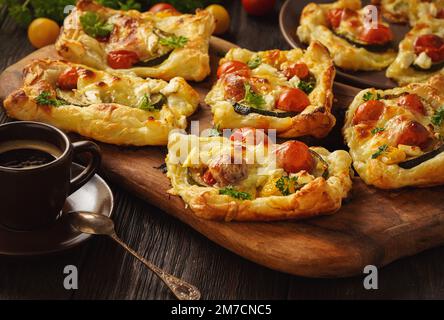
230 191
254 62
371 96
45 99
438 117
214 132
94 26
307 87
147 105
252 98
381 150
377 130
174 41
285 185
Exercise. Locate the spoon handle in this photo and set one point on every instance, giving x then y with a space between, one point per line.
181 289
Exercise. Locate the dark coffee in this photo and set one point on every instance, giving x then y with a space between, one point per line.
23 154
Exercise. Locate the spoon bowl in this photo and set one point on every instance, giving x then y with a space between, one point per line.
91 223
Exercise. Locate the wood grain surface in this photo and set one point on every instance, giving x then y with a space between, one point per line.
108 273
373 227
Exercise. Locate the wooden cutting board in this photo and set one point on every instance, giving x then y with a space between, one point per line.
373 227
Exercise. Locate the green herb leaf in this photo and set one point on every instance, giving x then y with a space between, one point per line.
252 98
174 41
121 4
377 130
214 132
381 150
147 105
438 118
94 26
285 183
307 87
45 99
371 96
230 191
254 62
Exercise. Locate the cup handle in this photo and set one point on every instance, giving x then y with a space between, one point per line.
93 165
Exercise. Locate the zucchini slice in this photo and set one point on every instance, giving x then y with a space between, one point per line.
409 164
244 110
370 47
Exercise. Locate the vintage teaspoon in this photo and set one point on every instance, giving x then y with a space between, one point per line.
92 223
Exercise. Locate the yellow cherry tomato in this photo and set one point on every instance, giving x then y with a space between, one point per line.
222 18
43 32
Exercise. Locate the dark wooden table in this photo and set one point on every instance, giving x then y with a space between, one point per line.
107 272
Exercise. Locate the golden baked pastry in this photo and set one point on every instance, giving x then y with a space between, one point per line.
162 45
401 11
341 27
123 109
396 136
289 91
421 53
265 182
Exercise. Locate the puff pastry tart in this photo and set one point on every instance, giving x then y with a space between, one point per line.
421 53
159 45
341 27
401 11
123 110
248 178
396 136
289 91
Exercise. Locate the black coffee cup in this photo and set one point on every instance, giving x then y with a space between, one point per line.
35 173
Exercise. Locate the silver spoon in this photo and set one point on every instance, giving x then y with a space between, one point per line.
92 223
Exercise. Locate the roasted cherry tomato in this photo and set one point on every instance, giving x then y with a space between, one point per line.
221 16
368 111
293 99
234 87
440 14
414 134
294 156
413 103
235 67
122 59
299 69
249 136
162 7
208 178
432 45
43 32
68 79
334 17
258 7
380 35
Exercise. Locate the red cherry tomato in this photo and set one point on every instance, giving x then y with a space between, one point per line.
299 69
380 35
258 7
413 103
293 99
369 111
440 14
294 156
162 7
234 66
334 17
68 79
414 134
122 59
432 45
249 136
208 178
